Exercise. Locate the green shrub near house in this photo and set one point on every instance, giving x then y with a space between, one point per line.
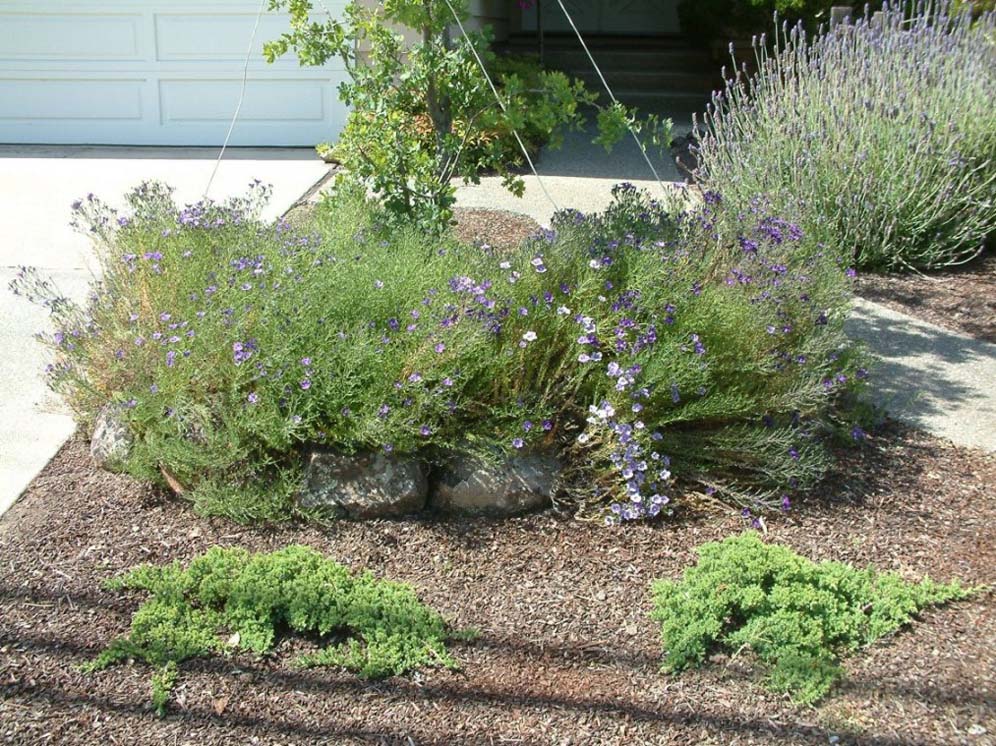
422 112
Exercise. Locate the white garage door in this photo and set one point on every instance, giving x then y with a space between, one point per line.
155 72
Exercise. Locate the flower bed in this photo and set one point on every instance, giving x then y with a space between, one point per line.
882 134
636 344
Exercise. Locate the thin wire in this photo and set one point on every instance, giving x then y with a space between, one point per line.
501 103
639 145
242 95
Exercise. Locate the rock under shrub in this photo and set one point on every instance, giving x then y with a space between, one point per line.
363 485
111 440
518 485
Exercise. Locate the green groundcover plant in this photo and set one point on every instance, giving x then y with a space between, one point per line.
798 617
640 343
229 600
881 134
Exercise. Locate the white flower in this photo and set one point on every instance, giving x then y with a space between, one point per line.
529 336
583 438
505 265
563 310
595 264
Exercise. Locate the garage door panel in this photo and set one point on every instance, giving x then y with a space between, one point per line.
155 72
69 36
265 100
182 37
81 99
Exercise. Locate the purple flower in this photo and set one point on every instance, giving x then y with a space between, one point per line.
415 377
517 443
440 348
447 382
253 398
425 431
383 410
305 361
786 503
305 384
527 425
170 358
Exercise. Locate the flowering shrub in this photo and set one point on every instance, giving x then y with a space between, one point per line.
882 135
642 342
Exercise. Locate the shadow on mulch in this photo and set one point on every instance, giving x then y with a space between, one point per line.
962 299
566 652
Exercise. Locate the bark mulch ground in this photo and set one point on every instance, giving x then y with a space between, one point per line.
962 299
499 229
566 654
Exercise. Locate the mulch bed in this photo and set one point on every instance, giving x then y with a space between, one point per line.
962 299
499 229
566 654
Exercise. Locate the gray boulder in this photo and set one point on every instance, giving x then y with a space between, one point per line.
363 485
111 441
517 485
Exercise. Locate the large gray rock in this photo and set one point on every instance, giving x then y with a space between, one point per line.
364 485
111 441
517 485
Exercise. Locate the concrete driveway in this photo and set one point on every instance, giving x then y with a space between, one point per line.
37 186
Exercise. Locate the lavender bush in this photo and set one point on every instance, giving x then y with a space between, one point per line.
660 352
881 133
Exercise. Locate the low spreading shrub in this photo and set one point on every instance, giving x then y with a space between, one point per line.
229 599
640 342
881 134
798 617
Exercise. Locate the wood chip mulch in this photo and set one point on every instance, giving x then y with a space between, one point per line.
499 229
962 299
566 653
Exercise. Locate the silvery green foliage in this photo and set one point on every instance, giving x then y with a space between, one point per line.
880 133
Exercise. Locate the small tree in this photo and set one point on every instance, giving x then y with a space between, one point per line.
393 84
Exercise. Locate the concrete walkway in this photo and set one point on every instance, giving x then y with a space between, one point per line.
930 377
37 186
579 175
